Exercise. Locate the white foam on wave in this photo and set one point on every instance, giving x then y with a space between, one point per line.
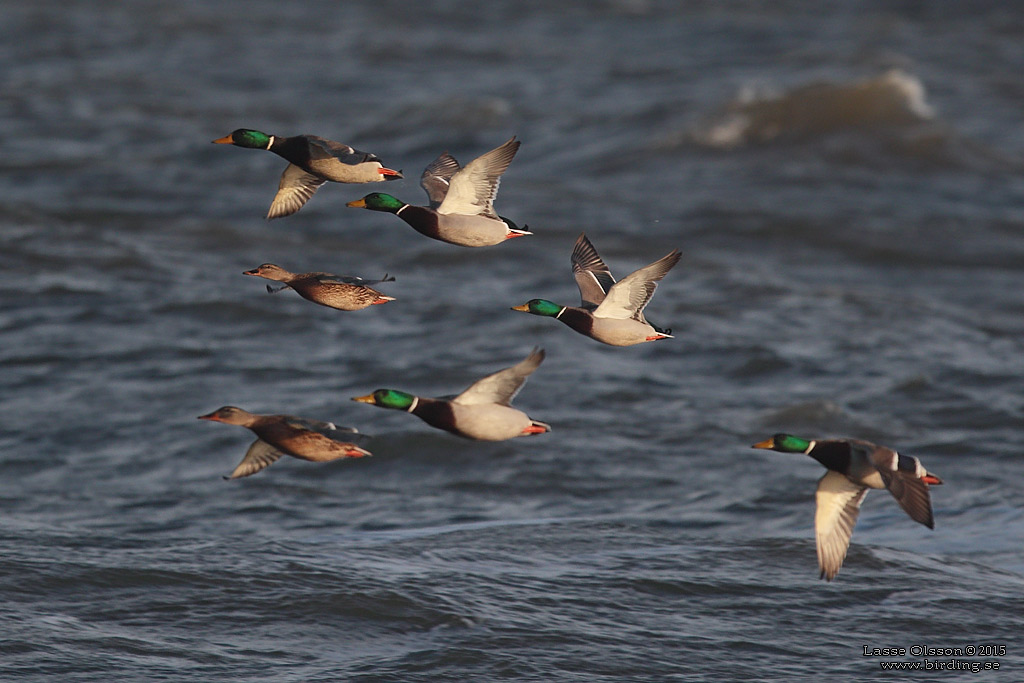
895 98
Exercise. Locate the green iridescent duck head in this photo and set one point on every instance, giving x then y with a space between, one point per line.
378 201
244 137
540 307
388 398
784 443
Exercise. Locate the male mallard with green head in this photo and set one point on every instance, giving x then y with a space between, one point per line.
312 161
854 467
482 412
334 291
287 435
610 312
461 207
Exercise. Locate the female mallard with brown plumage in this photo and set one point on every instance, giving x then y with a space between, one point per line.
287 435
342 292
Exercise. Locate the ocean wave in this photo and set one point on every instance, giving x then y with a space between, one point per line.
810 111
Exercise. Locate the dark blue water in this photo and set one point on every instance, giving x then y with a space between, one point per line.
845 186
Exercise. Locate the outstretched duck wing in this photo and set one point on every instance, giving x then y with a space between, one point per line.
322 148
838 504
294 190
502 386
473 188
331 278
903 476
437 178
259 456
593 277
628 297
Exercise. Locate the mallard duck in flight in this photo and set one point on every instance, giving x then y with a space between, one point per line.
313 161
483 411
461 209
610 312
279 435
855 466
342 292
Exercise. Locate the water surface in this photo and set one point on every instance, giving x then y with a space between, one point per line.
845 186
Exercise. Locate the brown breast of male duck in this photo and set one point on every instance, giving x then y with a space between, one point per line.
436 413
578 319
422 219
